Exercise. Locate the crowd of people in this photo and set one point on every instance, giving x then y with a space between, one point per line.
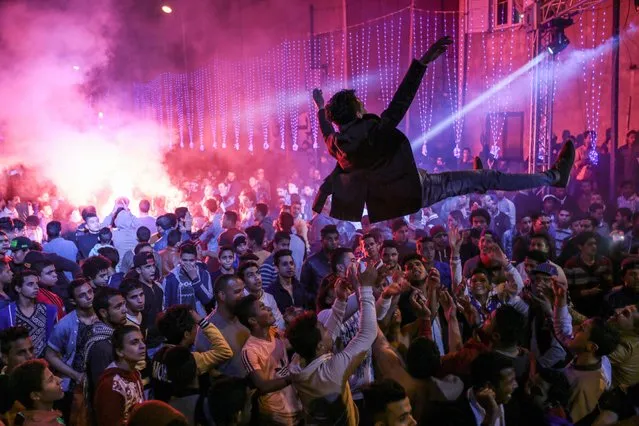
485 309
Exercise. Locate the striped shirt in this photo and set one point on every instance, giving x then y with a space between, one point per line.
268 271
582 277
269 356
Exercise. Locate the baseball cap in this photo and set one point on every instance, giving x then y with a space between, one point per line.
142 259
436 230
546 269
20 243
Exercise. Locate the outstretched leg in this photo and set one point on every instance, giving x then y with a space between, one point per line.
437 187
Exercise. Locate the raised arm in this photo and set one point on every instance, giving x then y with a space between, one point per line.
410 84
325 126
337 366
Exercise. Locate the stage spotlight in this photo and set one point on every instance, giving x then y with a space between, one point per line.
559 42
167 9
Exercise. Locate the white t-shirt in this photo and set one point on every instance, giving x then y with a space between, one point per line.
283 406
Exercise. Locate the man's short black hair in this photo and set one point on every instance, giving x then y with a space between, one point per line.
280 254
379 394
211 205
222 282
262 209
411 257
244 266
128 285
480 213
92 266
286 221
102 297
510 324
604 336
10 335
375 234
398 224
173 238
231 216
583 238
139 246
188 248
487 369
111 254
180 212
143 234
174 322
75 284
625 212
256 233
6 224
144 206
225 248
390 244
423 359
245 309
117 339
303 335
328 230
537 255
337 257
25 379
595 206
343 107
281 236
54 228
166 222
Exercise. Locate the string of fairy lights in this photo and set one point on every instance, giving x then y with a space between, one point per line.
263 100
592 73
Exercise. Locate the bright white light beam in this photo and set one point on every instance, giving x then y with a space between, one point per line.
479 100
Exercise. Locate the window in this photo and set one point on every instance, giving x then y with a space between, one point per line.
505 13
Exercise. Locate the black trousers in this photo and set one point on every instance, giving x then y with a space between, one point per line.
438 187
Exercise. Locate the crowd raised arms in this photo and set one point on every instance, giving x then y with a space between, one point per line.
461 297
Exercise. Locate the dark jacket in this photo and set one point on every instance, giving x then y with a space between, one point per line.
314 270
375 164
283 298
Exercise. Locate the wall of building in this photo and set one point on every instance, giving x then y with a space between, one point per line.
573 98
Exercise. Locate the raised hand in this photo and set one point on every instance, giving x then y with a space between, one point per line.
448 304
318 97
368 278
342 289
436 50
455 239
559 288
419 304
392 290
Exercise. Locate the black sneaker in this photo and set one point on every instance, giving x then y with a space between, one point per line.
477 164
563 165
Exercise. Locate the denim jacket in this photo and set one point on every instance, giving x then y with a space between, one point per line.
63 340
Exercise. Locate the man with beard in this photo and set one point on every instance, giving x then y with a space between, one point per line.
228 290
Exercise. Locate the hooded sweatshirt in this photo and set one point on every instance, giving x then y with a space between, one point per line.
322 385
118 391
124 236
